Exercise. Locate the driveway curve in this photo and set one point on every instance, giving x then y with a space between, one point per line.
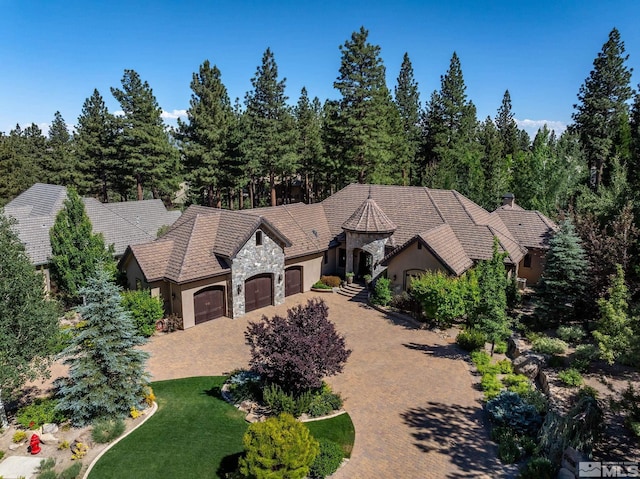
409 392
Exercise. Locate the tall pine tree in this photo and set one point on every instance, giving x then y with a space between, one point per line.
60 167
407 99
310 148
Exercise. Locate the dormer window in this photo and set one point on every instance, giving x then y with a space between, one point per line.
258 238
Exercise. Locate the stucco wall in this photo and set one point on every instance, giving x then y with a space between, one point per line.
251 260
184 297
134 273
411 258
533 274
331 267
311 269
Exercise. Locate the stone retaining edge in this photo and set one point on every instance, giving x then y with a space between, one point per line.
154 408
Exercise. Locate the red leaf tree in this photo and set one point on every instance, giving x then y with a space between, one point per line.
299 350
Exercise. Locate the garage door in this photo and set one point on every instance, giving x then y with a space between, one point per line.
209 304
258 292
293 280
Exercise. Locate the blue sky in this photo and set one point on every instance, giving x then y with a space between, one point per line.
54 53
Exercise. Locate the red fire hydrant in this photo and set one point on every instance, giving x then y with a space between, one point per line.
35 444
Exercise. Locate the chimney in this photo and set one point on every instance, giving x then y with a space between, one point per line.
508 200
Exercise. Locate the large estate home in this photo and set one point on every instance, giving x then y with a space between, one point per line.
121 224
214 262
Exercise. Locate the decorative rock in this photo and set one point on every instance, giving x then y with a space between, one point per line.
48 439
246 406
514 347
565 474
13 447
543 379
528 364
251 417
49 428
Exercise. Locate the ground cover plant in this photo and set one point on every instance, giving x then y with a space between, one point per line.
209 432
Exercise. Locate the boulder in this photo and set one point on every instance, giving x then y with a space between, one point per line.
529 364
543 379
246 406
565 473
251 417
514 347
48 439
13 447
49 428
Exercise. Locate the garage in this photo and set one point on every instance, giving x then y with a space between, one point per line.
209 304
258 292
293 280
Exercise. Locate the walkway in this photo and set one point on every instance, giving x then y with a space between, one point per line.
410 395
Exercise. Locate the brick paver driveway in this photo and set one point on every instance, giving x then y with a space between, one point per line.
411 398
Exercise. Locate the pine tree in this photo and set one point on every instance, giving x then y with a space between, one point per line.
107 373
602 112
564 279
95 148
75 250
310 148
271 133
59 166
367 124
407 99
507 127
204 140
28 321
146 153
495 166
22 157
634 164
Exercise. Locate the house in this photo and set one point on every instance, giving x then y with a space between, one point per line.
121 224
215 262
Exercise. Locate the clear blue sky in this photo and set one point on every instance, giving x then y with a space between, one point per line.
54 53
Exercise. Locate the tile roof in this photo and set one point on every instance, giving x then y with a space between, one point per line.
369 218
36 209
531 229
444 244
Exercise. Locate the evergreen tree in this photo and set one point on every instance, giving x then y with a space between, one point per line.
107 375
22 157
490 315
367 123
270 134
634 164
507 127
235 168
495 166
615 332
75 250
28 321
95 149
601 116
204 140
147 155
59 167
564 279
407 99
310 148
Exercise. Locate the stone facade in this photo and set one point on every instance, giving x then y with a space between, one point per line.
372 243
254 259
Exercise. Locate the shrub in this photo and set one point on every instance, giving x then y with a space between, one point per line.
299 350
382 292
402 301
245 385
328 459
71 472
277 400
546 345
509 410
508 450
280 447
500 347
1 455
320 285
331 281
78 450
571 334
148 397
556 361
536 399
505 366
106 430
517 383
587 352
491 385
538 468
172 323
145 310
570 377
39 412
45 469
481 359
442 297
324 402
63 445
19 436
471 339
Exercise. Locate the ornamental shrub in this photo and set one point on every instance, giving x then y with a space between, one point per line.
320 285
471 339
331 281
538 468
442 297
571 334
279 448
382 292
106 430
144 309
328 459
39 412
546 345
570 377
299 350
509 410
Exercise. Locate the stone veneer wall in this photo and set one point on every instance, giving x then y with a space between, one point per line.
252 260
369 242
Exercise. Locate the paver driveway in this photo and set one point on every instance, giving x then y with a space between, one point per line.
411 398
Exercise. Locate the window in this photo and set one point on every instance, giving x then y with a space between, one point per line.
527 261
258 238
342 258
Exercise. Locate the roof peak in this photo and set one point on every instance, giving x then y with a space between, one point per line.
369 218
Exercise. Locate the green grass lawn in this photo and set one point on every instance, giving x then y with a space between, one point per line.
194 434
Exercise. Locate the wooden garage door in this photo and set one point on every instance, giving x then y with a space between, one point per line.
293 280
209 304
258 292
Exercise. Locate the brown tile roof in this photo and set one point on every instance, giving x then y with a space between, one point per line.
369 218
531 229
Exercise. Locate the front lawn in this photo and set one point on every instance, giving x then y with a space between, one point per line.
193 432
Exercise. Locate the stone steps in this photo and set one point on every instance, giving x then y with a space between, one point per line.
355 292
